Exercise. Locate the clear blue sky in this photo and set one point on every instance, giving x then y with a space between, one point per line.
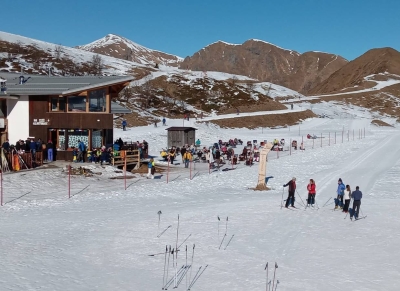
182 27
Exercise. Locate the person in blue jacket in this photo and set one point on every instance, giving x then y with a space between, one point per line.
124 124
340 192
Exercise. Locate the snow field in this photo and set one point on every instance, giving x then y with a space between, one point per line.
100 239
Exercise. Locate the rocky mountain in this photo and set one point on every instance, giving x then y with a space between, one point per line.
353 75
122 48
266 62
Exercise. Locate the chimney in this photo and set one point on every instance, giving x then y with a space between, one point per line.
21 80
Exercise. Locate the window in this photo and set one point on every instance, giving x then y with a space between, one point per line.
97 101
76 104
97 138
75 135
57 104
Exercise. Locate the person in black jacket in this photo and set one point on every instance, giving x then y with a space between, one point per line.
357 196
292 189
6 146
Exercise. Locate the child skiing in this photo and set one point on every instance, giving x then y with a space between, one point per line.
340 193
292 189
311 193
347 197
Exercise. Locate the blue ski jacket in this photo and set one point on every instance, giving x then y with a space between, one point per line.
340 189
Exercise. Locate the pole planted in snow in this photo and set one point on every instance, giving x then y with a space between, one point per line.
273 280
168 171
69 181
190 169
1 185
125 170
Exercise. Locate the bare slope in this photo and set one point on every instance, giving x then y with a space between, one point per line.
374 61
266 62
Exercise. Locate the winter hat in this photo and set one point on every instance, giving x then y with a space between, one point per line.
294 178
340 180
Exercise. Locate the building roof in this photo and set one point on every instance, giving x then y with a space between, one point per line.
118 109
56 85
180 128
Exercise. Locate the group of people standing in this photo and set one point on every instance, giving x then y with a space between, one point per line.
30 145
342 201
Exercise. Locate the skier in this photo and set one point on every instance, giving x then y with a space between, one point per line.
164 121
340 193
347 198
311 193
292 189
124 123
357 196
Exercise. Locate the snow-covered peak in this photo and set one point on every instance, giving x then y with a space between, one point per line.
113 39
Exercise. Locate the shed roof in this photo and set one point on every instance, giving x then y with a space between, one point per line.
56 85
180 128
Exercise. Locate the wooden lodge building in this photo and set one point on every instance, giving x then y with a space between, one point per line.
63 109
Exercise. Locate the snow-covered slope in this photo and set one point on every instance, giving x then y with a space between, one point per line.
123 48
112 66
102 238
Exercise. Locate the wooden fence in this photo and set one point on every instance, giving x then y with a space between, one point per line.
25 161
132 157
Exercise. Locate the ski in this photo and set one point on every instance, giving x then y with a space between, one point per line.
194 280
360 218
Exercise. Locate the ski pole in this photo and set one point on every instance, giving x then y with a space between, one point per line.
192 263
159 217
316 203
184 241
194 277
169 254
172 279
164 231
222 241
218 226
300 198
327 201
165 262
198 277
266 268
228 242
226 227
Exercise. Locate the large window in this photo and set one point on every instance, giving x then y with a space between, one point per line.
57 104
75 135
97 101
76 104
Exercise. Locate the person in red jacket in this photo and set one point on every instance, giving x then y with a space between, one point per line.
311 192
292 189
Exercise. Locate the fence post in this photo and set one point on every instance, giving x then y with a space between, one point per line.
125 170
69 181
1 185
168 170
190 169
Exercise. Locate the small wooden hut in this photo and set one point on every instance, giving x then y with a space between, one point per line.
180 135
